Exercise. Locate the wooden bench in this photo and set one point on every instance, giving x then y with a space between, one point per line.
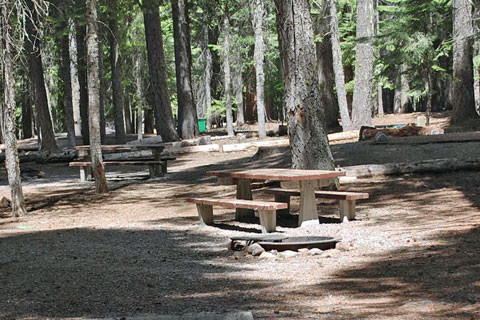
347 200
85 172
266 210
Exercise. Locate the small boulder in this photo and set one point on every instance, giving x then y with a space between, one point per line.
315 252
381 137
204 141
342 246
255 249
303 251
267 256
288 254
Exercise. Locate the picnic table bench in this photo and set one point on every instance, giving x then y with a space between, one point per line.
347 200
85 173
266 210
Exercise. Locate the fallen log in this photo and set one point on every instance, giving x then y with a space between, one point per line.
424 166
367 133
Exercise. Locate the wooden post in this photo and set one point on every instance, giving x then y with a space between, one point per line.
83 174
308 208
347 209
243 192
205 213
268 220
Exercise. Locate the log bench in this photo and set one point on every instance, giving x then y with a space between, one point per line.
85 172
347 200
266 210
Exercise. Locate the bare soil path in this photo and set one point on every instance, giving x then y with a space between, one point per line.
139 249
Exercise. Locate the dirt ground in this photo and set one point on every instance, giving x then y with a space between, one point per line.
140 250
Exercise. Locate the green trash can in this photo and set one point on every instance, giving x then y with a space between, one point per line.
202 125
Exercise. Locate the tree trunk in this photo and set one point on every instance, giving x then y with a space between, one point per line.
338 67
74 78
401 91
463 92
226 72
158 74
476 74
259 55
306 118
187 117
66 76
7 116
326 75
82 81
117 89
93 98
103 90
380 110
139 92
362 92
207 79
27 116
127 105
44 120
237 86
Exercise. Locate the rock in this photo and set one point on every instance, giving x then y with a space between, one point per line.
204 140
237 245
238 254
241 137
421 121
267 256
288 254
342 246
255 249
303 251
149 140
315 252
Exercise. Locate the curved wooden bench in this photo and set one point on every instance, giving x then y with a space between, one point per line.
347 200
84 174
266 210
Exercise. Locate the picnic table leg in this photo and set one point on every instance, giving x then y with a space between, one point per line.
284 199
347 209
268 220
308 208
157 156
82 174
205 213
244 191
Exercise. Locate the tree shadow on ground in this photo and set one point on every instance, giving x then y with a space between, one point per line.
119 272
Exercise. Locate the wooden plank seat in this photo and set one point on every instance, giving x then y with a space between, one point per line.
266 210
347 200
85 172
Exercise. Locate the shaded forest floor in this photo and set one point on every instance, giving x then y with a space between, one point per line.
140 250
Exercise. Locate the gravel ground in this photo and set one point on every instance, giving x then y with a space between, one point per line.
413 249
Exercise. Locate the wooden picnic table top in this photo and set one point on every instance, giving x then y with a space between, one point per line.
278 174
123 146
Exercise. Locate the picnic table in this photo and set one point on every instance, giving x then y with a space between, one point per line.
304 180
158 165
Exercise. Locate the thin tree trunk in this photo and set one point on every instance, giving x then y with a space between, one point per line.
338 68
27 111
139 92
66 76
82 81
117 89
103 90
362 93
207 79
48 142
187 117
380 111
463 91
226 71
156 62
259 53
93 98
7 116
74 78
237 84
127 112
476 75
306 118
326 75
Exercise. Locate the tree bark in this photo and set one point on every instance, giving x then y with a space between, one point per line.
139 92
82 80
306 118
187 116
103 90
237 86
207 79
27 111
362 93
156 63
401 99
326 75
44 120
66 75
7 116
117 89
338 67
463 91
93 98
74 78
226 71
259 56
